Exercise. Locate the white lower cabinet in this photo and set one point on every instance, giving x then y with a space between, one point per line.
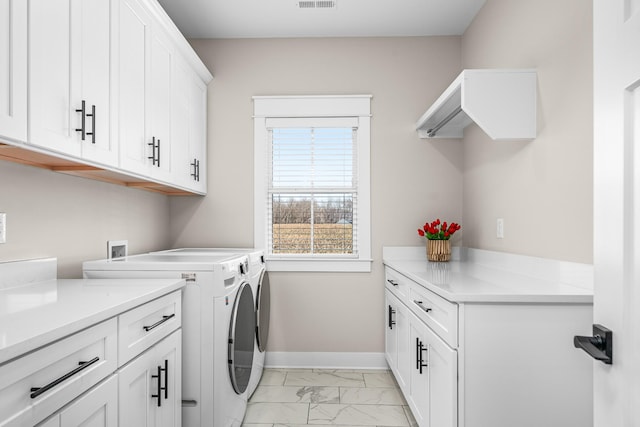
433 379
397 339
96 408
149 389
84 380
487 363
424 366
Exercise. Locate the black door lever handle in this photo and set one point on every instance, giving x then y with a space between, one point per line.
599 346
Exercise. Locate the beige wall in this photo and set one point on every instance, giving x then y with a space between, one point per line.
543 188
412 180
55 215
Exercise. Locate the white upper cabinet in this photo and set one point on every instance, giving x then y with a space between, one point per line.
501 102
144 55
132 82
13 70
89 88
188 128
159 104
69 78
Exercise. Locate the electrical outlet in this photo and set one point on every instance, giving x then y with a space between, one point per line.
500 228
3 227
117 248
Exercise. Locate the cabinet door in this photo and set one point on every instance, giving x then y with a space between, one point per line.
159 104
188 128
149 389
443 382
397 345
13 69
403 372
144 55
391 331
198 135
131 41
96 408
418 398
169 356
69 53
434 378
52 116
91 53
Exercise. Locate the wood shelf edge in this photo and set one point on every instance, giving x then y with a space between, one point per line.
24 156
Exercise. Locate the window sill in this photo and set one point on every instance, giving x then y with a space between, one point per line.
320 265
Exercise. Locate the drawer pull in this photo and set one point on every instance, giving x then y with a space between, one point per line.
393 282
419 304
158 323
37 391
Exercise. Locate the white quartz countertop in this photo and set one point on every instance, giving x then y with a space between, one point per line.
39 313
483 279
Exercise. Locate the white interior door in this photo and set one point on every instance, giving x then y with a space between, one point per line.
617 207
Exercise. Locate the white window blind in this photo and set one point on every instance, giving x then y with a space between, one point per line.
312 198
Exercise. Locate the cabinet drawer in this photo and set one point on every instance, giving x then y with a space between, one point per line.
60 372
438 313
397 284
140 328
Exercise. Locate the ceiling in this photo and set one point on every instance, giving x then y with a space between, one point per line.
320 18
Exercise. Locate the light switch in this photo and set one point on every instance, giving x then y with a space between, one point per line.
500 228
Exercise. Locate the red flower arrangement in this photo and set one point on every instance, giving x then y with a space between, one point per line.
438 231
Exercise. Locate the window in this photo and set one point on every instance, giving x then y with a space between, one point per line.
312 182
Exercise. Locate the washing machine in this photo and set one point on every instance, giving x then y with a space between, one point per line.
218 328
259 280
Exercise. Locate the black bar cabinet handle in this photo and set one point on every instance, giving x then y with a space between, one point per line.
37 391
159 380
195 169
198 171
422 348
153 152
93 124
158 323
418 354
393 282
82 129
158 153
166 379
391 321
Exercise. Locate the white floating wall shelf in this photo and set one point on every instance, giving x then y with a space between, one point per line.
501 102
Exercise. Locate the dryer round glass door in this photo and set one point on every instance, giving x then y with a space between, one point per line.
263 311
241 341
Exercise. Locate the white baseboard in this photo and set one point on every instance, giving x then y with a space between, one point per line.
325 360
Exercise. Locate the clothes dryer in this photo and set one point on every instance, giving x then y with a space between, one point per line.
218 328
259 280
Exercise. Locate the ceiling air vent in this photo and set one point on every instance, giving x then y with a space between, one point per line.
316 4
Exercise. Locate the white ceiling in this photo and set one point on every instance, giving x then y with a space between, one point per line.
350 18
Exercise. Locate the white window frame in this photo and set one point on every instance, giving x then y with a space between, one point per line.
353 106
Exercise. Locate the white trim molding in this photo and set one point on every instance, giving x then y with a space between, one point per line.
325 360
270 108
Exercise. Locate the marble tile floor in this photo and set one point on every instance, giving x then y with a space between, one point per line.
322 398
